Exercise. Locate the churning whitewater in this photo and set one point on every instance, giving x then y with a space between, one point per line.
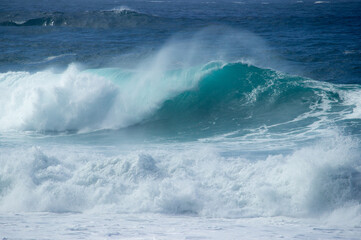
309 182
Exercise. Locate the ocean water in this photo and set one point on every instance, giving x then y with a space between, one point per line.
180 119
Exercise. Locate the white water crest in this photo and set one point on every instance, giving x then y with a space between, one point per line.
78 100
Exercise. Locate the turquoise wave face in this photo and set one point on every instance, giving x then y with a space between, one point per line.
238 98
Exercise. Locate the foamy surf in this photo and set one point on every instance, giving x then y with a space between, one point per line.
197 179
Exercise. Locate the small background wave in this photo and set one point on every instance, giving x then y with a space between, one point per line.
114 18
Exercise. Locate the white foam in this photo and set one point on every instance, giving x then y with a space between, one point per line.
185 178
51 58
55 102
121 9
350 95
321 2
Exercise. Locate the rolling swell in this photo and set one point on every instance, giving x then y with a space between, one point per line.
211 99
115 18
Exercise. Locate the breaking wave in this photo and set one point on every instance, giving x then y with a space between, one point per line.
216 97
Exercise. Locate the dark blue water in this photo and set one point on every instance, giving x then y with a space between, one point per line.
320 41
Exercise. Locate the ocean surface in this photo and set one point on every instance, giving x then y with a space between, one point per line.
175 119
